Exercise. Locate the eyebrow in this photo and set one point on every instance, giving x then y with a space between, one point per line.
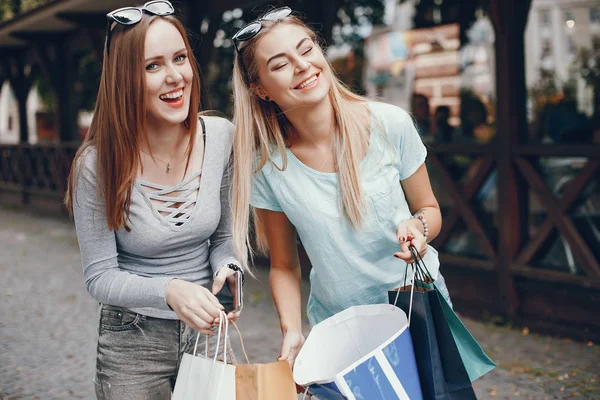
283 54
159 57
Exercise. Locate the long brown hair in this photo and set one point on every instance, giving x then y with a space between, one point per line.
119 123
262 127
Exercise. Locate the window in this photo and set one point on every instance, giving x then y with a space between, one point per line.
594 15
545 18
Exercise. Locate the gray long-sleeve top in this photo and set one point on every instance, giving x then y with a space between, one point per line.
133 269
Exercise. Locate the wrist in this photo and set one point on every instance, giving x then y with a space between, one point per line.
420 223
291 328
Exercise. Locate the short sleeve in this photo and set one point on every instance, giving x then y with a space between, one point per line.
411 150
401 130
262 193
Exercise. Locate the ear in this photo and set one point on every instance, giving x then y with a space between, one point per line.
259 91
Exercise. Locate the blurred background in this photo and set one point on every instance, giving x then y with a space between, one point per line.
505 93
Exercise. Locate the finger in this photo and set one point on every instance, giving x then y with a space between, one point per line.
212 306
405 256
420 244
286 351
220 280
206 315
401 233
233 316
414 232
404 249
199 324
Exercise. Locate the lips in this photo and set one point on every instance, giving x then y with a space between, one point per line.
173 95
308 82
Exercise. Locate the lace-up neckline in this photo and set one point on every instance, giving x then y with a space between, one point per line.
173 203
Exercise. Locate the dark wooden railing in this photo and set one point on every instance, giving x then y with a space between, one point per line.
560 301
35 170
546 298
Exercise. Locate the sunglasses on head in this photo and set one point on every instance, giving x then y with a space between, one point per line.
251 29
128 16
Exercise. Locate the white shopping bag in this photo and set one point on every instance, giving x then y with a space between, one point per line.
364 352
203 378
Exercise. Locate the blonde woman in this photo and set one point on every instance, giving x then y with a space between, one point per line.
317 161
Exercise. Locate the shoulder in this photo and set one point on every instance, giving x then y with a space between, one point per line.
87 162
219 125
389 114
219 133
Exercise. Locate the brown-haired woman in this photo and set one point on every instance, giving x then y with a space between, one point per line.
149 193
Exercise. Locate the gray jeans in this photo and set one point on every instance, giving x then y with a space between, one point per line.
138 356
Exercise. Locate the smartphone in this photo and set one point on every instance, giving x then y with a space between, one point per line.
232 295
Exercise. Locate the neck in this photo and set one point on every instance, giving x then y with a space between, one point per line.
163 140
313 124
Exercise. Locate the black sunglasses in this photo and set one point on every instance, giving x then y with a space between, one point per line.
128 16
251 29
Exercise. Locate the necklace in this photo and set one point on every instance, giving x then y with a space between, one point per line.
168 164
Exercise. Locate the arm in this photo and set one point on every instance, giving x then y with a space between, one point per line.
284 278
104 280
421 200
222 251
109 284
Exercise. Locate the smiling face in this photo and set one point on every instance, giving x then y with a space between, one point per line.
168 75
292 69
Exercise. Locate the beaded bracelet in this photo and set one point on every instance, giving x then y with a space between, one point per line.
424 221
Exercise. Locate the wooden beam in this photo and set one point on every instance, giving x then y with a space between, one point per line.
84 19
56 62
588 261
42 36
468 262
563 150
469 190
509 18
470 149
572 192
463 208
554 276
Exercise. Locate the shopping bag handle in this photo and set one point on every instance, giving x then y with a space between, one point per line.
223 323
422 274
412 291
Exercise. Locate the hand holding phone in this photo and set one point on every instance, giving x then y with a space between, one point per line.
228 287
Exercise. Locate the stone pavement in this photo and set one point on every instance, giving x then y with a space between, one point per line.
48 327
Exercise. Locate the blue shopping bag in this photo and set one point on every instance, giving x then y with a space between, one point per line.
364 352
448 357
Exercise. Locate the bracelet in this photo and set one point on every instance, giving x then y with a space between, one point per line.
421 218
237 268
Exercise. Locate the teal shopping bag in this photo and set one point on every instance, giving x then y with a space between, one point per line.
476 362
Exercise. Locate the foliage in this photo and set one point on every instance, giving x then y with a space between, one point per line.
10 8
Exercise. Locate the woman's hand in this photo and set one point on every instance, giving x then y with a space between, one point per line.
195 305
292 343
409 234
226 274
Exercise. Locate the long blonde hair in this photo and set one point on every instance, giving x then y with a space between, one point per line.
119 124
262 127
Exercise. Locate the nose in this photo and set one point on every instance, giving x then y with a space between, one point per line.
173 75
301 65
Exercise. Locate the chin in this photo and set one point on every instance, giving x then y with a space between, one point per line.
172 117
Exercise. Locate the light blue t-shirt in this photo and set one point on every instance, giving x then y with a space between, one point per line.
350 267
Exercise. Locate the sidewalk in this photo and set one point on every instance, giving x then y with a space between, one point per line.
48 327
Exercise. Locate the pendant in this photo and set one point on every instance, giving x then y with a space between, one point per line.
168 168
